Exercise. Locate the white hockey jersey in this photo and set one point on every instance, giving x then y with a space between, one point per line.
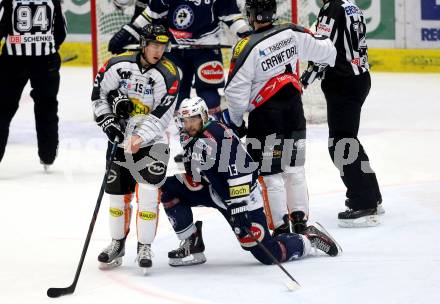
152 91
263 61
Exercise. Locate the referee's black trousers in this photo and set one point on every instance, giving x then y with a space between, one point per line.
44 76
345 97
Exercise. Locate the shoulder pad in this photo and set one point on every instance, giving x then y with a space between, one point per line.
170 73
124 57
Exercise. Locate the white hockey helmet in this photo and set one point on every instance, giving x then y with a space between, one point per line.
192 107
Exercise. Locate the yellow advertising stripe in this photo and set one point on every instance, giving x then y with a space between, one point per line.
381 60
404 60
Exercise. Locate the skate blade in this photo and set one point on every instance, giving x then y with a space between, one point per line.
380 210
193 259
320 227
365 221
113 264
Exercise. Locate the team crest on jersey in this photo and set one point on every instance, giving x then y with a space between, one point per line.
183 17
139 107
258 232
239 47
211 72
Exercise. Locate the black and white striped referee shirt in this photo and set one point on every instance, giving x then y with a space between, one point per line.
31 27
344 23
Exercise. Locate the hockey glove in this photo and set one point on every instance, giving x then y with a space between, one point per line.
314 70
239 219
128 34
121 104
244 31
240 131
110 125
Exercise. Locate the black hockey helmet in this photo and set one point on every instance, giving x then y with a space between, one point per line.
155 33
261 11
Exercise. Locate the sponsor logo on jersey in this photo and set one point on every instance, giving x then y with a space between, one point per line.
279 58
112 175
324 29
183 17
240 190
115 212
258 232
239 47
139 108
147 215
275 47
157 168
180 34
174 87
169 66
352 10
123 74
37 38
211 72
14 39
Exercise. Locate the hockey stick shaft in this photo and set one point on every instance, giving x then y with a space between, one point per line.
69 58
136 47
56 292
270 255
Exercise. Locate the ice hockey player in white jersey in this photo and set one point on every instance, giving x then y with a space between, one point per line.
134 97
263 81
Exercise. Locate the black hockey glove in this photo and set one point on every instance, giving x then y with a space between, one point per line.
128 34
314 70
110 125
121 104
244 31
240 131
238 217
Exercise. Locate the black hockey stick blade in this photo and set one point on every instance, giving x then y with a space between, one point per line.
55 292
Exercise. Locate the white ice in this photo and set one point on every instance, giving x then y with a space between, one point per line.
44 217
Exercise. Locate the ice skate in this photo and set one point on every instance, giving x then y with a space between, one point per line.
299 222
358 218
321 239
111 256
144 256
284 228
190 251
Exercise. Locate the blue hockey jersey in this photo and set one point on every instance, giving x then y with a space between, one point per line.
218 158
193 21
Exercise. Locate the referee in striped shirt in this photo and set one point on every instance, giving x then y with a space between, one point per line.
33 31
346 86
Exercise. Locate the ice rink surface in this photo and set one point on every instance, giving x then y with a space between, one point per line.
44 217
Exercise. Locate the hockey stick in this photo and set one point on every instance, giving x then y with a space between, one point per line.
294 285
69 58
136 47
55 292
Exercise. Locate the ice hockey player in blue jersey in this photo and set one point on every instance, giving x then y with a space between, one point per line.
219 173
196 23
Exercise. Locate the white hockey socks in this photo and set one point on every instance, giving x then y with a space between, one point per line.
274 196
120 215
296 189
147 197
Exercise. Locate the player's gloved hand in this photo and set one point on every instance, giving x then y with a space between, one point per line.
128 34
111 127
239 219
121 104
313 71
240 131
244 31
